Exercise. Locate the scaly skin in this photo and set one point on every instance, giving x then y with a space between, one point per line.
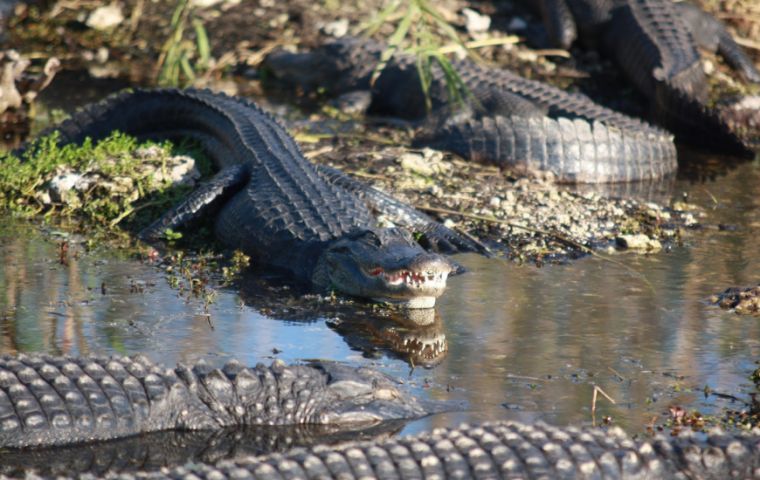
153 451
655 43
275 205
511 120
501 450
47 401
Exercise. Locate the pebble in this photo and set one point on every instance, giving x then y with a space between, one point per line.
415 163
105 17
337 29
476 22
639 242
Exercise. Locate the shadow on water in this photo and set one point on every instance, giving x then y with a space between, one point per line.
505 341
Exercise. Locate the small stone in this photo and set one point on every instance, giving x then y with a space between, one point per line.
337 29
476 22
750 102
708 66
101 55
204 3
639 242
105 17
415 163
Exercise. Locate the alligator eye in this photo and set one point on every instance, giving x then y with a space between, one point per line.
374 239
341 250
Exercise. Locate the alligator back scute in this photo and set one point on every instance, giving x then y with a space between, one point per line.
574 150
651 41
286 202
55 400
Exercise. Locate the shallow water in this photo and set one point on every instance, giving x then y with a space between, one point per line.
523 342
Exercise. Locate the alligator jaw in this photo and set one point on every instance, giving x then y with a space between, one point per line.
385 265
416 287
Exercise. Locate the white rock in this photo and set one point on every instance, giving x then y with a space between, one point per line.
105 17
204 3
415 163
476 22
182 172
337 29
62 184
639 242
751 102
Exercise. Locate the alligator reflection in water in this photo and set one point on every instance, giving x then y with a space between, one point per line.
167 449
416 336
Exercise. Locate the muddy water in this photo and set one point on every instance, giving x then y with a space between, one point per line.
523 342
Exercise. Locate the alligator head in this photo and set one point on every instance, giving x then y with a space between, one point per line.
339 66
366 396
386 265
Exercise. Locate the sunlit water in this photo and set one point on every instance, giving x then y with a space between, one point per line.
523 342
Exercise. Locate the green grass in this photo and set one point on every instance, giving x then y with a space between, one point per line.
23 180
421 30
181 59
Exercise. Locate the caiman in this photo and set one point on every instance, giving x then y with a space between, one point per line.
509 120
655 44
273 204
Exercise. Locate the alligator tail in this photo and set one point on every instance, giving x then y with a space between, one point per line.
573 150
735 56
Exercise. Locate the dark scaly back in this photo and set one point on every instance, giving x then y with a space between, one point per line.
47 400
55 400
287 212
501 450
498 91
653 44
557 102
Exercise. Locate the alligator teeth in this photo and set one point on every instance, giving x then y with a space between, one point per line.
415 279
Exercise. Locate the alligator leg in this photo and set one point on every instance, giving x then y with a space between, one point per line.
711 34
433 235
208 197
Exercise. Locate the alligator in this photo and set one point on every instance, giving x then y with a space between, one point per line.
655 43
62 401
48 401
314 222
501 450
508 120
